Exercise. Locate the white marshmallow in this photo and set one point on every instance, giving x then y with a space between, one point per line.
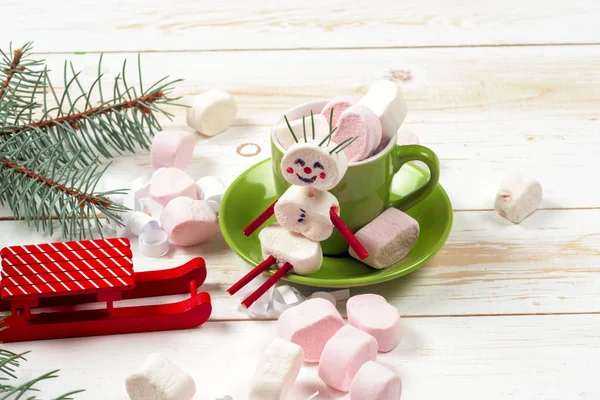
518 197
304 254
169 183
211 189
308 164
303 210
211 112
282 131
159 379
385 99
277 371
172 148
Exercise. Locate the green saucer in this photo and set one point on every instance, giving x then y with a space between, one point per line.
253 191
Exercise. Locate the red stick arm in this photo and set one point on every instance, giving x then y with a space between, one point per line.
347 234
287 267
261 219
259 269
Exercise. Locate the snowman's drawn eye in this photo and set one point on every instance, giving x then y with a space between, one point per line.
318 165
300 161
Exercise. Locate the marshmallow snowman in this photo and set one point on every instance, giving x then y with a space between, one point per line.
306 212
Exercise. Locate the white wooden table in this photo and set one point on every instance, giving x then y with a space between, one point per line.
503 311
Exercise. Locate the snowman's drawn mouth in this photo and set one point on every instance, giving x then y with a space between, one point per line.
307 180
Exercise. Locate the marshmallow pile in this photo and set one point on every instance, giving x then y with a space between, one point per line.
168 205
372 121
315 332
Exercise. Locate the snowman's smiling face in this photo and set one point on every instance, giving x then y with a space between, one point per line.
307 164
307 174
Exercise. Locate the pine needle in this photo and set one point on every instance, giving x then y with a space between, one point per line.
312 120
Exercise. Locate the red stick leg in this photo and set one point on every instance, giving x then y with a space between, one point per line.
287 267
347 234
261 219
259 269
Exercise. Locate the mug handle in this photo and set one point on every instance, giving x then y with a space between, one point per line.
414 152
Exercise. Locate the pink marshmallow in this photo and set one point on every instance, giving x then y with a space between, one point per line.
388 238
172 148
372 314
189 222
310 325
169 183
375 382
339 105
343 356
361 123
406 137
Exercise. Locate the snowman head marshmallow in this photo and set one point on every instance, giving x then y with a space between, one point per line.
310 164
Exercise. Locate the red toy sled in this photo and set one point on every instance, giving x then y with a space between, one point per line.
67 274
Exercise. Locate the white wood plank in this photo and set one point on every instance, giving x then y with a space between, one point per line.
442 85
548 264
517 111
63 25
534 358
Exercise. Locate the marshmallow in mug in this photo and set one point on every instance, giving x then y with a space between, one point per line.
385 99
359 124
211 112
286 139
315 164
338 105
277 371
519 196
159 379
406 137
285 246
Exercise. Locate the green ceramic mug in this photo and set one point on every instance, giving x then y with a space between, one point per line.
364 192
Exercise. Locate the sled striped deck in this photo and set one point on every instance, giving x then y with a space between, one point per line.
65 268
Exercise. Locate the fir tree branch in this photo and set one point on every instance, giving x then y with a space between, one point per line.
51 142
41 187
140 103
83 198
11 71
